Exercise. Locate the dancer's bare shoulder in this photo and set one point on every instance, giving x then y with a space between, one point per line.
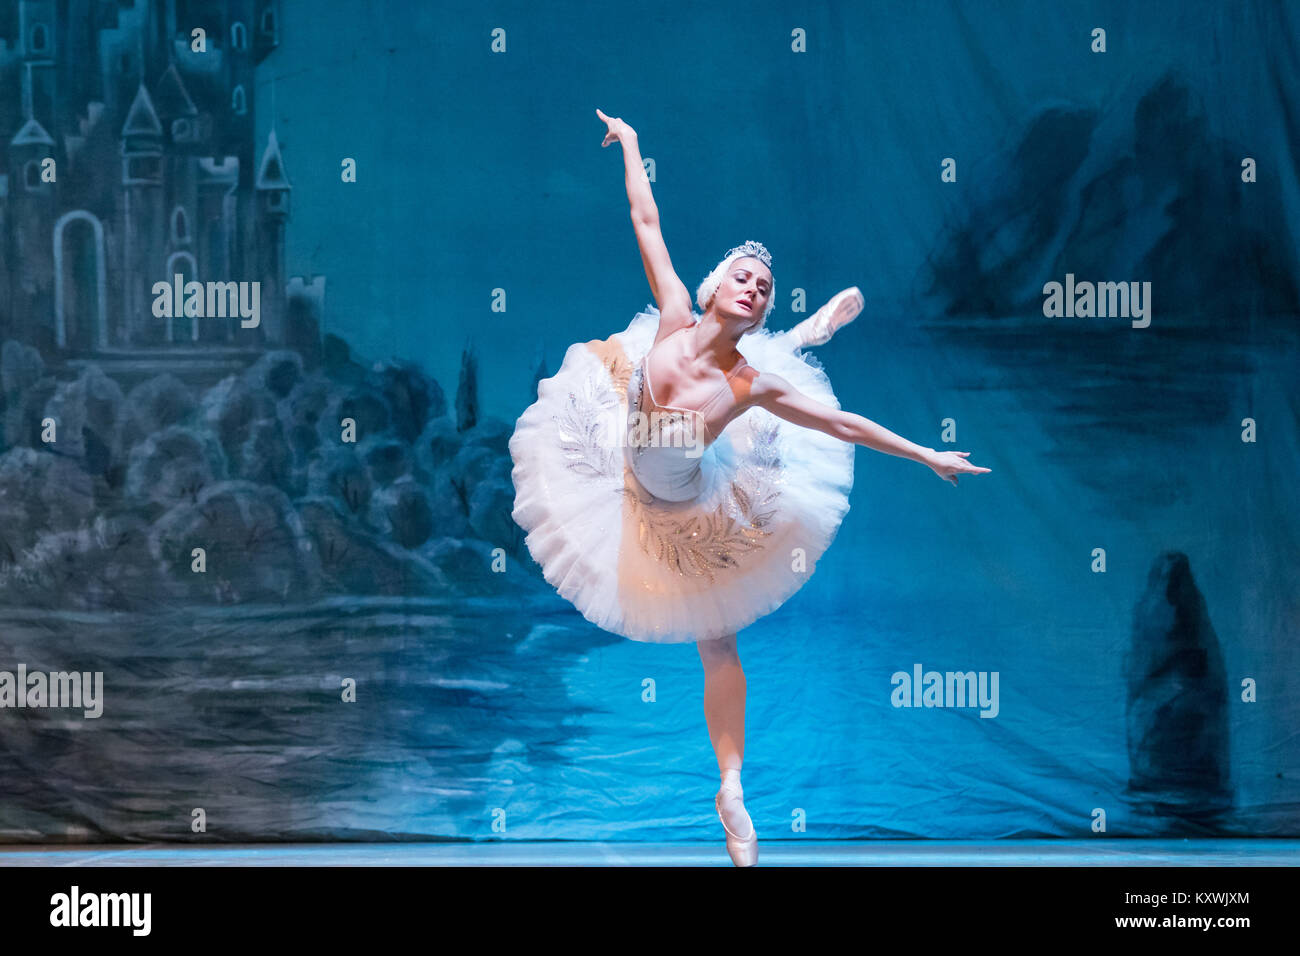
749 385
759 386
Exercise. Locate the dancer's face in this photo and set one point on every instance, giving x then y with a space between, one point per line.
746 282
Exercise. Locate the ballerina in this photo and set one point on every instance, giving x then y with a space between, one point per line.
680 479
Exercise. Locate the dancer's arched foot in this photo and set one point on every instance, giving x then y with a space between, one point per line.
818 328
742 839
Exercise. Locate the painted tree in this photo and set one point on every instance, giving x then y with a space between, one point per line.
467 391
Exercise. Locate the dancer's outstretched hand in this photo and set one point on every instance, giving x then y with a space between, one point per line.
949 464
617 129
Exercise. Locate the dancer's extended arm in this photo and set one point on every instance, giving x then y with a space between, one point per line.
783 400
669 292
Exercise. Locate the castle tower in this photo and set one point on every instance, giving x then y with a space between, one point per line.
184 129
144 222
38 32
217 191
31 218
272 213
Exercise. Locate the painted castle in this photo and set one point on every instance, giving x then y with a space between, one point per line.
155 171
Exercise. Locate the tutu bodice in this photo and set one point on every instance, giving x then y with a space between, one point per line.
651 530
665 444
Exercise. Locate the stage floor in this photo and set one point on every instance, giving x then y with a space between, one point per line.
1103 851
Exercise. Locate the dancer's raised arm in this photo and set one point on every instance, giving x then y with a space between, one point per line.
669 292
783 400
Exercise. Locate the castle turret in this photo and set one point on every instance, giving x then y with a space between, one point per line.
176 111
272 190
39 38
32 205
144 220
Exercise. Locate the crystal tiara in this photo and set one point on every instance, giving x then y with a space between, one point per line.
751 248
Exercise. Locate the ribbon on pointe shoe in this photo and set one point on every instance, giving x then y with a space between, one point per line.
732 792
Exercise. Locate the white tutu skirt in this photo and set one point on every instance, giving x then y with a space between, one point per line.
773 498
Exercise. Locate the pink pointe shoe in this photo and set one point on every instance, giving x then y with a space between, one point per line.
744 852
842 309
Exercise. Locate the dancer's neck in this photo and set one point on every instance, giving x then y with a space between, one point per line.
710 337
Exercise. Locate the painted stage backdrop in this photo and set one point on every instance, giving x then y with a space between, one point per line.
276 279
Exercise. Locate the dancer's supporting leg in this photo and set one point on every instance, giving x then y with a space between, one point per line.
724 711
818 328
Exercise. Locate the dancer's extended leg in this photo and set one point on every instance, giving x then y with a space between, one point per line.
724 711
818 328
